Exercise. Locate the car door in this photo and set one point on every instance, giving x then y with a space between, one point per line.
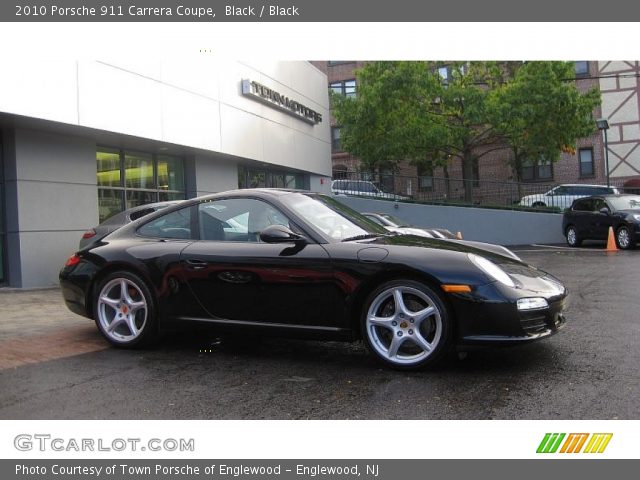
238 278
580 217
600 221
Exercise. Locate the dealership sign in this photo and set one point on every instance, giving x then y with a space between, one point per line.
279 101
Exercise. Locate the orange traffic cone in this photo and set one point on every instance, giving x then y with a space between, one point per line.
459 235
611 241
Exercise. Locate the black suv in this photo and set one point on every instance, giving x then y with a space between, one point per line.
589 218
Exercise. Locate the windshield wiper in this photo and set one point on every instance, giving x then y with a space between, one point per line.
361 237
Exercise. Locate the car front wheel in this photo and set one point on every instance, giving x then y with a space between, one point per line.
573 240
406 325
624 239
125 311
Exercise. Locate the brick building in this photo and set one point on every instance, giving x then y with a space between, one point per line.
619 85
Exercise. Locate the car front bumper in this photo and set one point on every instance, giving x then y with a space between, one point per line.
489 315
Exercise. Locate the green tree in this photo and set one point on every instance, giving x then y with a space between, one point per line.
540 113
428 113
422 112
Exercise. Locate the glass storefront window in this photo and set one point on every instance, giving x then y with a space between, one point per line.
109 203
166 196
170 173
147 178
254 178
139 197
108 168
138 170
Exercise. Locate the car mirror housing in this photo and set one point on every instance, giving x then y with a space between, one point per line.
604 210
280 234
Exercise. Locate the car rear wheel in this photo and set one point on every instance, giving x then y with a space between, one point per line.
624 238
125 310
406 325
573 240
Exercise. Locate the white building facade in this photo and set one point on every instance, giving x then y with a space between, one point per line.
81 140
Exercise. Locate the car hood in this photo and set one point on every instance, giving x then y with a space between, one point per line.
528 279
495 253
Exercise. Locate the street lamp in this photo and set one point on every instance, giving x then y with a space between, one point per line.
603 125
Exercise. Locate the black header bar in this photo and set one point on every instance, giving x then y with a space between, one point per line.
321 11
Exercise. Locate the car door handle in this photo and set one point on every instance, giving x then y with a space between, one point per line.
194 264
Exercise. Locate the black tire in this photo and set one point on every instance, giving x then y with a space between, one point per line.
425 338
624 238
572 236
123 301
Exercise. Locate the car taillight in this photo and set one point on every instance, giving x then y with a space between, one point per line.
72 260
89 233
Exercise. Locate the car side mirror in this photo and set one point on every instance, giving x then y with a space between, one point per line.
280 234
605 211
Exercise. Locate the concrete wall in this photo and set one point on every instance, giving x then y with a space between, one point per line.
503 227
52 201
214 174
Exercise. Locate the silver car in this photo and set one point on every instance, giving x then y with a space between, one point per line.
363 188
563 196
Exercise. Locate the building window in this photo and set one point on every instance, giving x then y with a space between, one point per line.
476 172
425 178
582 68
127 179
332 63
541 170
340 172
344 87
585 155
335 139
259 178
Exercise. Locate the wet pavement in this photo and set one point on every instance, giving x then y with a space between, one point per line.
55 365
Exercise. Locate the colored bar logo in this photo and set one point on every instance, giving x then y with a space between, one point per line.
574 443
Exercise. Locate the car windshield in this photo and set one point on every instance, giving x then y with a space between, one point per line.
332 218
395 220
631 202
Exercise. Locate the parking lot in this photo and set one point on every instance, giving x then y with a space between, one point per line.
55 365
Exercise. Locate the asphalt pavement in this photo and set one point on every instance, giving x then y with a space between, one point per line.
55 365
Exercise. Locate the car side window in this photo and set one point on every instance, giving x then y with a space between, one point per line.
176 225
599 203
582 205
237 219
560 191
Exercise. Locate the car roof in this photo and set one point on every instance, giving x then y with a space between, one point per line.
608 195
584 185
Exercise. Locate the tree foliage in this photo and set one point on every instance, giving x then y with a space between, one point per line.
540 114
414 111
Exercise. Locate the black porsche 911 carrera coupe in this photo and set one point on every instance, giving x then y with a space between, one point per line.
298 263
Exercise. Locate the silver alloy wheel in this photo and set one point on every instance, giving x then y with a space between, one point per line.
404 325
624 239
572 237
122 310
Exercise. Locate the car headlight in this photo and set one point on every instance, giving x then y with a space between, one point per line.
535 303
636 217
491 269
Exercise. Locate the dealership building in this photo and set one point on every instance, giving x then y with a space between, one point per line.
81 140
